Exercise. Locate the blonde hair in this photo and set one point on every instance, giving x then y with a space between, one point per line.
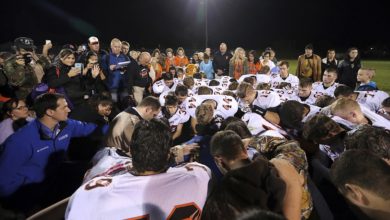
370 71
344 105
236 54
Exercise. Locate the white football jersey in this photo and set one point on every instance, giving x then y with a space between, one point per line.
313 111
179 193
292 79
284 94
107 162
201 82
160 87
181 116
257 124
264 99
320 90
371 99
311 100
224 82
226 105
263 78
374 118
217 90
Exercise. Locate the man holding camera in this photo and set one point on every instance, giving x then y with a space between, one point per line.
26 69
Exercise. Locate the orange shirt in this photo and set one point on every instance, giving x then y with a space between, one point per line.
238 69
181 61
158 70
253 67
169 63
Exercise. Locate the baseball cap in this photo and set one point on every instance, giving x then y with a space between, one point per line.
24 43
93 39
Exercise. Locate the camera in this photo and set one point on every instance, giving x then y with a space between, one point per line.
27 58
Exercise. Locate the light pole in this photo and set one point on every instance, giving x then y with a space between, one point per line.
206 25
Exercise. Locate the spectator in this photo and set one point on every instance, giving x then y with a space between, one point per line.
254 65
26 69
6 90
238 64
364 77
94 46
349 67
181 59
33 154
329 61
266 61
170 59
206 66
67 79
139 79
16 116
125 48
116 75
309 65
221 61
93 76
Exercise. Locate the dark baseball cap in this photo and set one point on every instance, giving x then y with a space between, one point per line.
24 43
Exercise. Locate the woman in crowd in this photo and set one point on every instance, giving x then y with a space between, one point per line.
238 65
254 65
93 76
181 59
15 116
266 60
64 76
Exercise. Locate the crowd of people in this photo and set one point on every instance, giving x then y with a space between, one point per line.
126 134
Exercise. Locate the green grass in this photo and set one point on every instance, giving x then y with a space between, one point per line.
382 77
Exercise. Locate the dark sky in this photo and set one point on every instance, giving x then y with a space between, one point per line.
252 24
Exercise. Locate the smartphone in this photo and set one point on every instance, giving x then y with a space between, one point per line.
48 41
79 66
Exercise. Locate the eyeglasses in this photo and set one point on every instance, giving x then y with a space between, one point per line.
21 107
94 43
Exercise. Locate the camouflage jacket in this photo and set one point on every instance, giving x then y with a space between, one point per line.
275 147
24 78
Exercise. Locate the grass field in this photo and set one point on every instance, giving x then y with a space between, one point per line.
382 77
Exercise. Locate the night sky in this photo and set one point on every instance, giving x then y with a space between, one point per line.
285 25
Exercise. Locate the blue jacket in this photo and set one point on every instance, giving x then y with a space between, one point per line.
27 152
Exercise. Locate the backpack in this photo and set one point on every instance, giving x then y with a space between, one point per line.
42 88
